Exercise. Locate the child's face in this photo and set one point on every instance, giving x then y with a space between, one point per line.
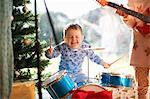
74 38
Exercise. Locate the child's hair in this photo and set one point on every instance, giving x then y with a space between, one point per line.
72 26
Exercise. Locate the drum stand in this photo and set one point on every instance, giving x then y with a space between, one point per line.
88 70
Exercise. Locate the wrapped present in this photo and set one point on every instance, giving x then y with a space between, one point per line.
23 90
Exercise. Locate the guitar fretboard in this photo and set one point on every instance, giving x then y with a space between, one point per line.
130 12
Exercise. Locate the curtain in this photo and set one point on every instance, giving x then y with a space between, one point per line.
6 49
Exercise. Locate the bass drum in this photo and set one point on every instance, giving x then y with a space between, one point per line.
91 91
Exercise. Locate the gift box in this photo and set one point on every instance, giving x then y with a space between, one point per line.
23 90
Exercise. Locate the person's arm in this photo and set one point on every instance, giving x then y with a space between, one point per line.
95 58
132 12
128 19
144 28
52 52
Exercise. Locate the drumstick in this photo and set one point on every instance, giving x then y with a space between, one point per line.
116 60
93 48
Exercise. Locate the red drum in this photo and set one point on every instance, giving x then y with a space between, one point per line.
91 91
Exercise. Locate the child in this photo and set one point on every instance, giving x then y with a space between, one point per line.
73 51
140 57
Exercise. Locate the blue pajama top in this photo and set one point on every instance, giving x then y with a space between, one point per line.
71 60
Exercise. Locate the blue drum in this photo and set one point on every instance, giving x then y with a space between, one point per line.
116 80
59 84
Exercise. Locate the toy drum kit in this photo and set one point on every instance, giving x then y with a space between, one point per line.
60 85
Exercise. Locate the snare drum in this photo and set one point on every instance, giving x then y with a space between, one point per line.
91 91
116 80
59 84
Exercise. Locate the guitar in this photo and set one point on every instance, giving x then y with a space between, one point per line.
138 15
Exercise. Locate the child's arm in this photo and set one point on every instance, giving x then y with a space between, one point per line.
52 52
95 58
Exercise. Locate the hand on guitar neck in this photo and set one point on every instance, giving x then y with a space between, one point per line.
125 11
121 13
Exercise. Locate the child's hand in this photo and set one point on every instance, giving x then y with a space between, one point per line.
106 65
50 50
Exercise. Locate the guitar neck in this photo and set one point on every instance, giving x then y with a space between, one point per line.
130 12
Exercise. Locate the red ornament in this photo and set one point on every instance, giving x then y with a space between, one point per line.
27 42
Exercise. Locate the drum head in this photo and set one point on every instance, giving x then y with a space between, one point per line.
91 91
91 87
54 78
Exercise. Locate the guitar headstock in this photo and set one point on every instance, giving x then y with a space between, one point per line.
102 2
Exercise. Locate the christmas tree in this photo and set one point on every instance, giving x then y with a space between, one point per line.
24 41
